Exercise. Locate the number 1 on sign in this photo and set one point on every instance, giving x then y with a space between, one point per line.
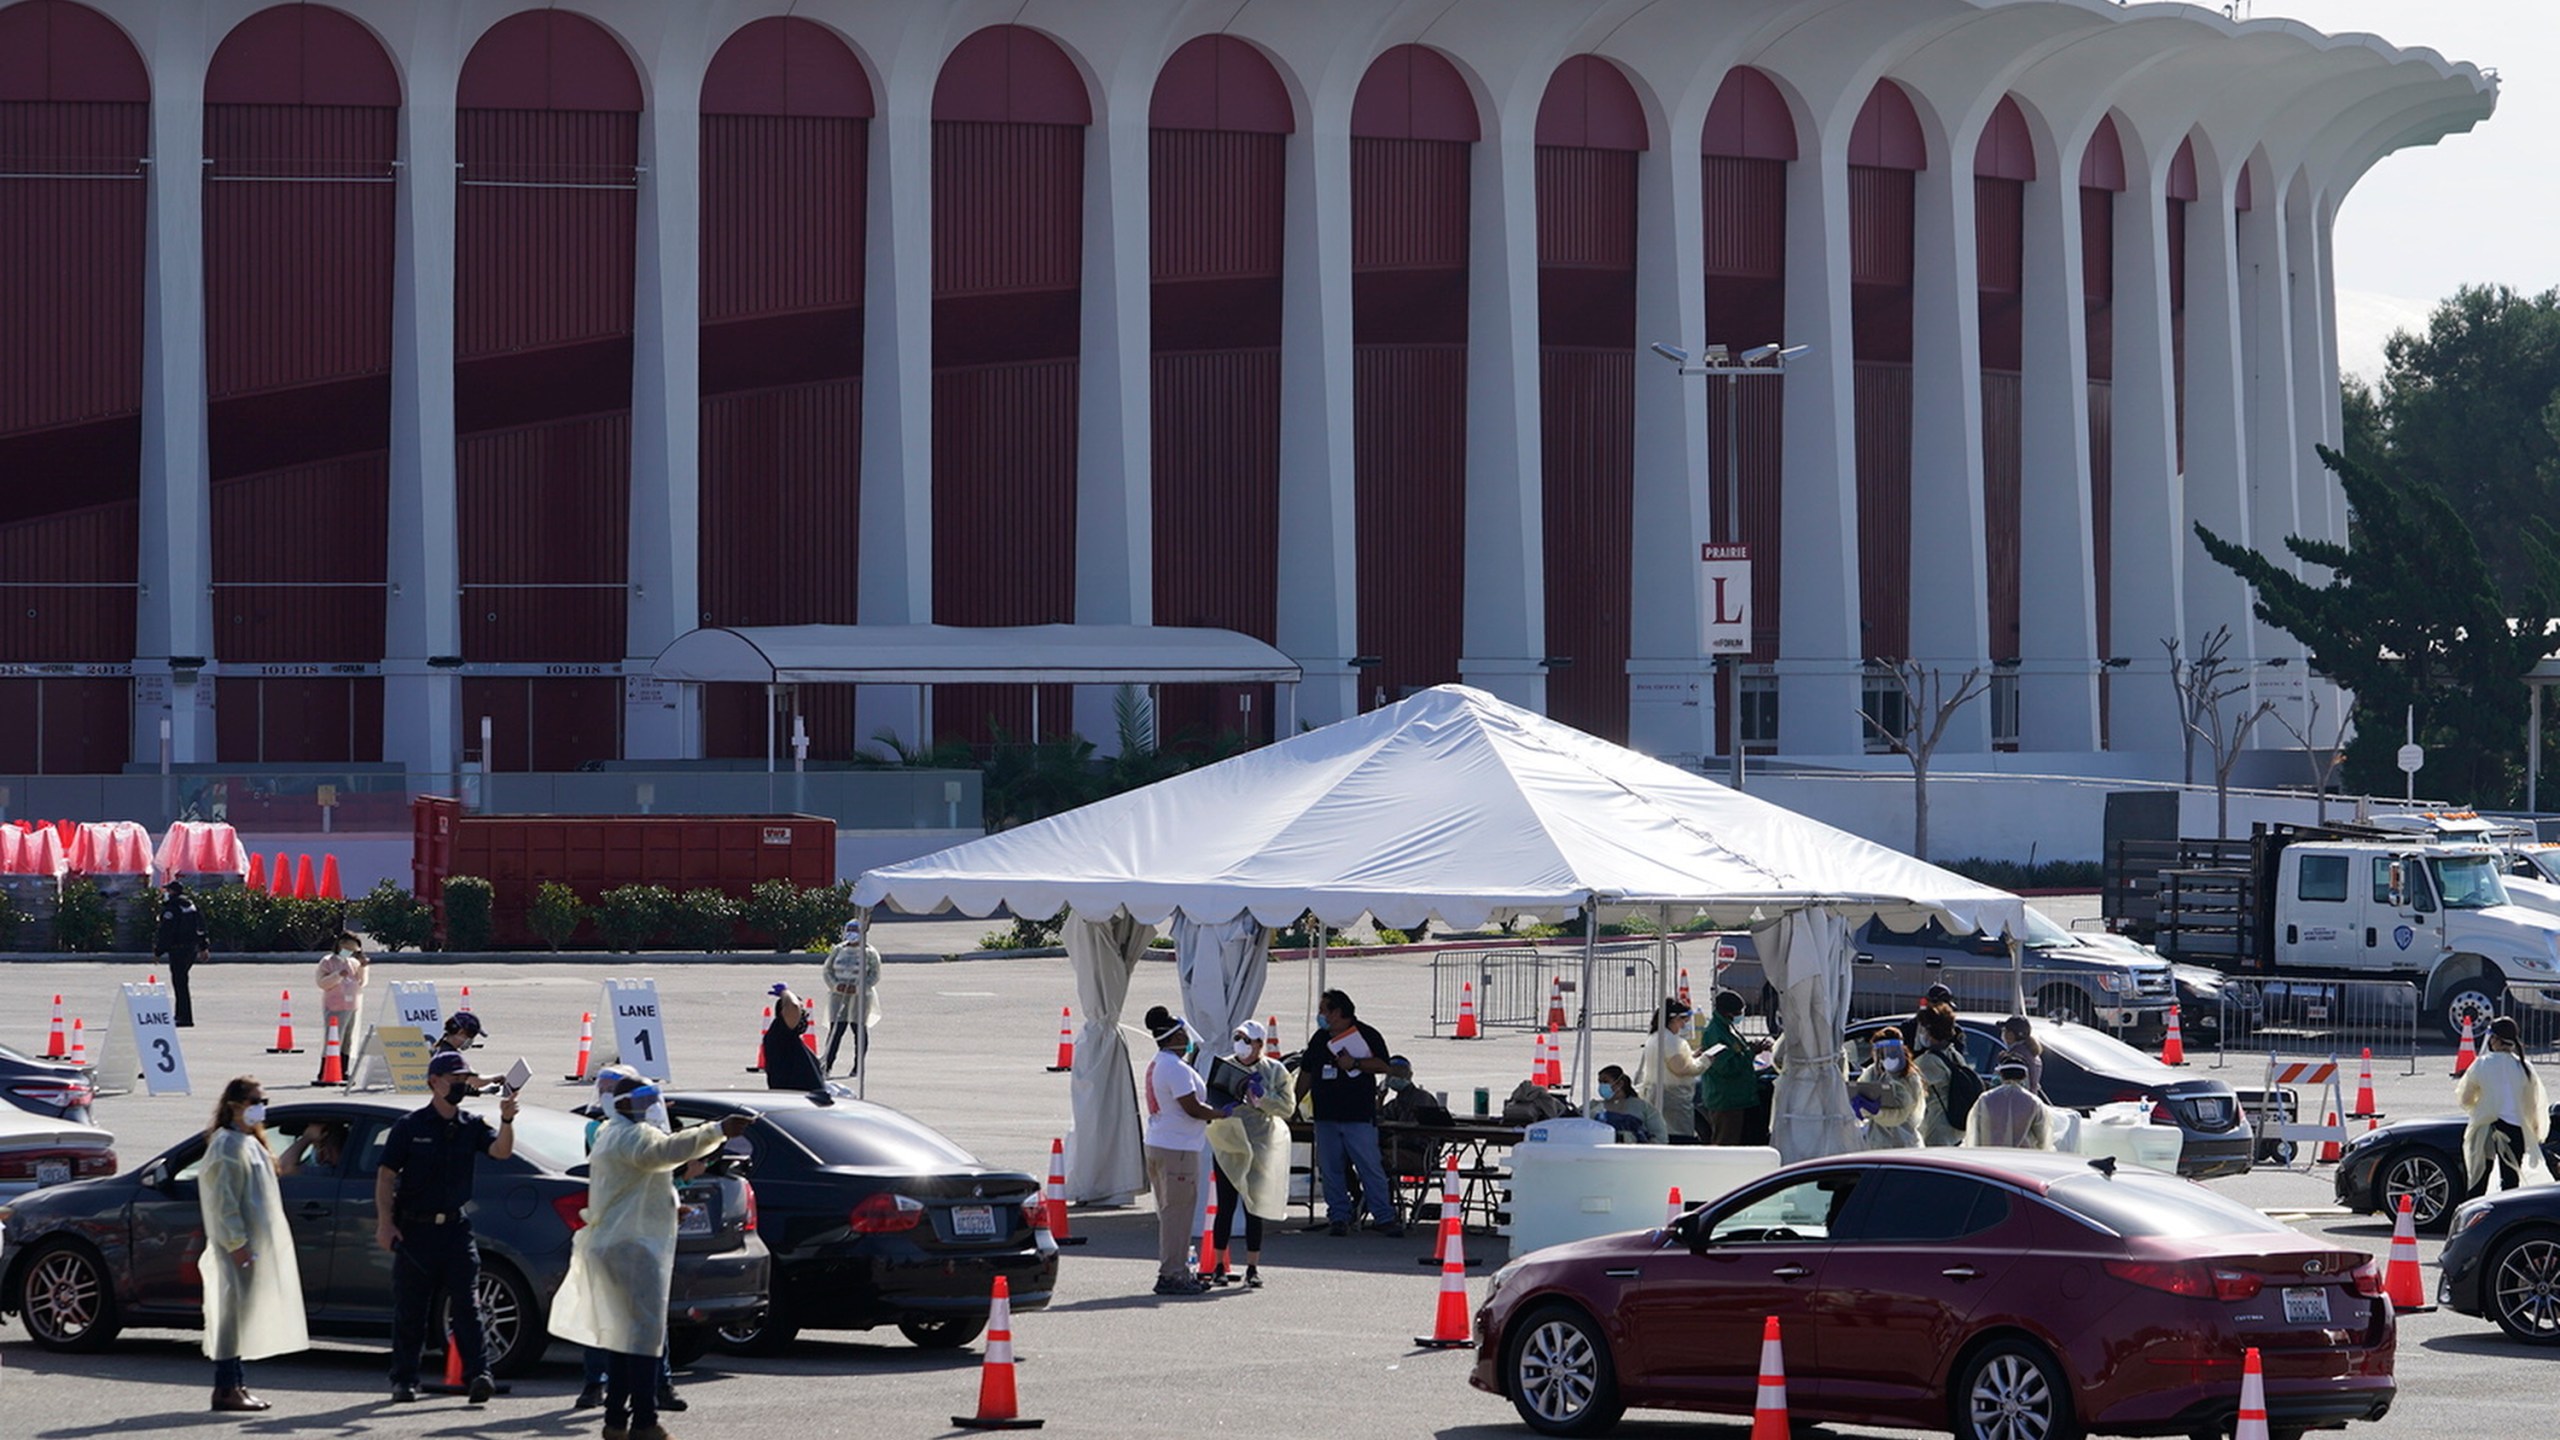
641 1039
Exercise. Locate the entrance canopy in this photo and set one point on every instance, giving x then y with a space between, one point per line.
967 654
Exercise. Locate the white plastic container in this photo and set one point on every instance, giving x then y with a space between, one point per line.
2124 1130
1566 1187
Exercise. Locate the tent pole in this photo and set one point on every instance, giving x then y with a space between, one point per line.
1665 952
862 1005
768 739
1590 967
2017 976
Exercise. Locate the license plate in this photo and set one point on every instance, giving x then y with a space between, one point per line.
693 1217
2316 1011
53 1172
2306 1305
973 1220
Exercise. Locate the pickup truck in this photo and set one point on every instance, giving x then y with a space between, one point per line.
2344 902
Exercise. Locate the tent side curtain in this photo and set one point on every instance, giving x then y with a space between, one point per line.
963 654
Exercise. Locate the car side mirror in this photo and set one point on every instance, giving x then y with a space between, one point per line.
155 1176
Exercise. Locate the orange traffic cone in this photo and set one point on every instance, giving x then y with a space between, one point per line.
2401 1282
1449 1329
2463 1057
1769 1411
329 889
1555 1058
2173 1047
1684 984
333 1070
2365 1108
756 1065
1066 1041
1677 1209
257 877
280 876
1450 1212
2329 1147
1055 1193
998 1409
586 1045
1555 1004
284 1027
2253 1400
1212 1267
57 1043
463 1005
79 1042
1467 1011
303 889
809 1038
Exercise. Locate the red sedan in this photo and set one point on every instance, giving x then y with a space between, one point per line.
2002 1295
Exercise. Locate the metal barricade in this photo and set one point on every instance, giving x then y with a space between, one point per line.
2314 1018
1514 988
2538 1026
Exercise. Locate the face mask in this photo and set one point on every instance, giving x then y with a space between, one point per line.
658 1116
254 1114
1893 1065
457 1092
1399 1084
1244 1050
1608 1090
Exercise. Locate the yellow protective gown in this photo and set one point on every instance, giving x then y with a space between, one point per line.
257 1313
622 1264
1897 1125
2495 1078
1252 1145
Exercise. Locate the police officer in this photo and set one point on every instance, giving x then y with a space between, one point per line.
180 940
419 1196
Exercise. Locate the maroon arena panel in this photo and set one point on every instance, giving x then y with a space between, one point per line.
2004 162
2102 178
1886 150
1745 147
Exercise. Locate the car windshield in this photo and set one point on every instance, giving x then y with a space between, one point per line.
2095 1051
547 1139
2044 934
870 1137
2468 882
2140 1202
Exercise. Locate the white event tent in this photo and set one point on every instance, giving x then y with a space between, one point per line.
1451 806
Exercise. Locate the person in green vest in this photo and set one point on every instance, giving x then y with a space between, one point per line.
1730 1089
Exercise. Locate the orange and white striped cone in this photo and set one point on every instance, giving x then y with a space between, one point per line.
809 1038
1538 1058
1066 1041
1449 1329
1054 1194
1450 1213
1684 984
1555 1059
998 1407
1555 1004
1769 1410
57 1043
1467 1011
2463 1058
2365 1108
284 1027
2173 1046
2401 1281
333 1065
1213 1265
2329 1147
756 1065
79 1042
463 1005
1677 1209
586 1045
2253 1400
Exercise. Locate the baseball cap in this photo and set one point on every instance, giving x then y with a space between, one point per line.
1253 1030
1938 993
467 1023
447 1062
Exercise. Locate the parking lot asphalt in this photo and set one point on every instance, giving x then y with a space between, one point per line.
964 1044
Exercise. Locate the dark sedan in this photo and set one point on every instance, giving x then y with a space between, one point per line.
2502 1259
876 1218
2003 1296
2421 1159
87 1259
2084 1069
56 1089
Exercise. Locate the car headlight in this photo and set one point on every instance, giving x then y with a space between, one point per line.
2465 1216
2111 982
1501 1277
2532 962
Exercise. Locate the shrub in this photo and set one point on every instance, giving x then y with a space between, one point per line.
395 919
86 920
1300 934
468 901
11 917
307 924
827 910
630 917
1025 934
791 918
705 920
556 913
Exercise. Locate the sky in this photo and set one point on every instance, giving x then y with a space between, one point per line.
2472 209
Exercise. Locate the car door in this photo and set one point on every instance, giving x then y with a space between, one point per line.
310 1196
361 1272
2320 918
166 1225
1695 1314
1898 1292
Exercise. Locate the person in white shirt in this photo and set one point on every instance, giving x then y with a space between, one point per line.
1178 1116
2509 1112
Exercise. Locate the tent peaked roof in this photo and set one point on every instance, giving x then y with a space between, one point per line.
1450 805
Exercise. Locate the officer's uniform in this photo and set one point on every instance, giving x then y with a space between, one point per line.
180 938
433 1159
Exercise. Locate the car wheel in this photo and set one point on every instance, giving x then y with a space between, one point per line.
2524 1287
2064 1002
2475 1000
66 1299
2277 1152
511 1330
2428 1182
2012 1390
687 1344
1558 1371
943 1334
768 1333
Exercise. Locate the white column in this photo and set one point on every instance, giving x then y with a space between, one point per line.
1506 621
422 703
1670 681
2217 454
2149 525
2266 323
895 580
1950 596
1115 516
1819 654
664 599
1319 591
174 606
2306 356
2057 612
2322 499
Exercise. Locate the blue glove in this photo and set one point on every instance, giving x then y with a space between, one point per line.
1863 1108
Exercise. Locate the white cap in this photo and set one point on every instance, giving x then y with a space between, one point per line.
1253 1030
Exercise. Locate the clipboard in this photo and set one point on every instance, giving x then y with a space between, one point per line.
1227 1082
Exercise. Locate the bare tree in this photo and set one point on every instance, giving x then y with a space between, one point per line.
1924 694
2324 757
2206 685
2190 707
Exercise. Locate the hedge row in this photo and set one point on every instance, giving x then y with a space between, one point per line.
776 915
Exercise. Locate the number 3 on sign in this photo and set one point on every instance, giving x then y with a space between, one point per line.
168 1053
155 1039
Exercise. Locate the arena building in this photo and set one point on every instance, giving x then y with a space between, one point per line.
369 371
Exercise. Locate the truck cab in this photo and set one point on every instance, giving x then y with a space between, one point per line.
2438 915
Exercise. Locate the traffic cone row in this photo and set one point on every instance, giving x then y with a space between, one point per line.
998 1407
2365 1108
333 1068
2463 1058
284 1027
2173 1046
586 1045
1055 1194
1467 1011
2401 1281
1769 1409
57 1044
755 1066
1449 1329
1066 1041
290 877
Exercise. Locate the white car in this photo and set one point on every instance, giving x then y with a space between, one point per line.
38 1150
